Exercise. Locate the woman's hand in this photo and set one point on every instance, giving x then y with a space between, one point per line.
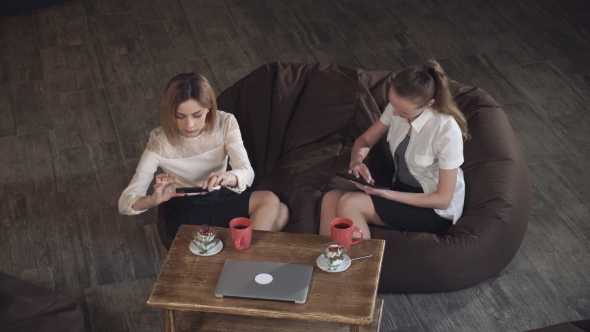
371 190
162 190
225 179
359 169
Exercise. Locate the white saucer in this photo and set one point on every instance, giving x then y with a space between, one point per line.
217 248
322 264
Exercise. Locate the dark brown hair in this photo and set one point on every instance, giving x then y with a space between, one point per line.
419 85
180 89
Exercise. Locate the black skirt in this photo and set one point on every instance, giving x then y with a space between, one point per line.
211 209
407 218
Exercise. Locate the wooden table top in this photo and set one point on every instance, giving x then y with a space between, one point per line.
187 281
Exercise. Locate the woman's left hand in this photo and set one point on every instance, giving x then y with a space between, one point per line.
370 190
225 179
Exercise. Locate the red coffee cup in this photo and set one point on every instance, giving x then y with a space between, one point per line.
241 232
342 230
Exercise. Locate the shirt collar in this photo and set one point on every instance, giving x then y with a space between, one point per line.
421 120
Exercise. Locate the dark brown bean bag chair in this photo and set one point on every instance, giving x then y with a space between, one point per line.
299 122
26 307
579 326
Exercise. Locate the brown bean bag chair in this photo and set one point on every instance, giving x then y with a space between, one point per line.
578 326
26 307
299 122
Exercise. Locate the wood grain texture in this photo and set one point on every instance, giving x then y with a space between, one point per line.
205 14
89 184
425 32
255 17
7 112
540 138
134 121
399 315
72 68
559 252
53 246
105 235
577 128
30 104
457 311
355 306
229 48
115 34
323 23
334 52
20 60
157 251
121 307
482 73
538 81
62 26
102 7
82 118
565 180
17 26
505 298
129 78
171 41
190 321
287 47
158 10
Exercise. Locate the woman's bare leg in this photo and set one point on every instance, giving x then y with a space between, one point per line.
328 212
358 207
282 219
264 209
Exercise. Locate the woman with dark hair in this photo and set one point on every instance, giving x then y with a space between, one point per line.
425 131
192 148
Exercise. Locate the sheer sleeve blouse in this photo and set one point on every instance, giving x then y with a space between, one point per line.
192 161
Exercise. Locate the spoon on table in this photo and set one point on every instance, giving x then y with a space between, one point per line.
183 233
361 257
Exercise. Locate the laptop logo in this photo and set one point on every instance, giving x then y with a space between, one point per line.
263 278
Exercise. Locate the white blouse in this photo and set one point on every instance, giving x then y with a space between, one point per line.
436 143
192 161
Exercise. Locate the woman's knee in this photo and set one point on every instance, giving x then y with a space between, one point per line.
264 198
351 200
283 217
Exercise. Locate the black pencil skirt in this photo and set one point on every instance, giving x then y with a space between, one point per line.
210 208
407 218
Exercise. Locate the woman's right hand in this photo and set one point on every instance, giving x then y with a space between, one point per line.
162 191
357 168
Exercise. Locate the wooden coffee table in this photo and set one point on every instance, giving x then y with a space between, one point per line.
344 301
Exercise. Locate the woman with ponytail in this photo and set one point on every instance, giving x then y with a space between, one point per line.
425 131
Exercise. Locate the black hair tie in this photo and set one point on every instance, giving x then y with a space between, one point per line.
429 71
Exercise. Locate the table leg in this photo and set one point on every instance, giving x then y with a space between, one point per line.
355 328
169 320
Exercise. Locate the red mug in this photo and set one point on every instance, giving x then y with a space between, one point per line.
342 230
241 232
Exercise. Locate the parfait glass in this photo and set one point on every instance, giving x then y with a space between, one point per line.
334 254
205 238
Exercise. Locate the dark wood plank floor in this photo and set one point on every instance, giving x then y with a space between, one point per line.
80 87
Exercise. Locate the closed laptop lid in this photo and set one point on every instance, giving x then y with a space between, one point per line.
264 280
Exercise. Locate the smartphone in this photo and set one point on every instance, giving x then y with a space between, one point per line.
359 180
191 190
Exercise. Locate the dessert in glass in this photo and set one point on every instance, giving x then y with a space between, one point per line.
334 254
205 238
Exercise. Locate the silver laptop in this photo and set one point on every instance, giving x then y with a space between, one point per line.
264 280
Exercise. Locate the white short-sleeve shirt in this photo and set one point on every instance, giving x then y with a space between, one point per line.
436 143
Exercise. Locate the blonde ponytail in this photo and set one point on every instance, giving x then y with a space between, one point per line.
422 84
443 101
